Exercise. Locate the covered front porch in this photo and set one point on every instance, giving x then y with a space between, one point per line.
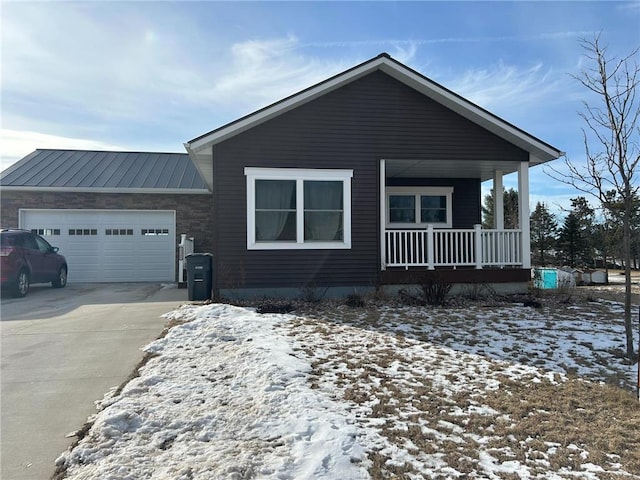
444 229
453 248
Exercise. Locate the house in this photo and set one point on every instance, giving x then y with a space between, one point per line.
369 178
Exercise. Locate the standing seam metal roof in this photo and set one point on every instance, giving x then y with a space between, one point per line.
91 169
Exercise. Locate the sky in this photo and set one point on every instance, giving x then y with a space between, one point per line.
149 76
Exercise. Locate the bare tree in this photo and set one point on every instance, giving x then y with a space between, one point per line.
612 143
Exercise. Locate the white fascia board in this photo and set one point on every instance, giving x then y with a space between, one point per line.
283 106
163 191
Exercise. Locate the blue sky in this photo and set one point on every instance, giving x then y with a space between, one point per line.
152 75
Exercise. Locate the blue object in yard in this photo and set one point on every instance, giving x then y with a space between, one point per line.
545 278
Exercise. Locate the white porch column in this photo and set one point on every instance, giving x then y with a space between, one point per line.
498 201
477 241
383 215
430 248
523 212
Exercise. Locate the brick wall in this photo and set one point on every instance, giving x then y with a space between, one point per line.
193 212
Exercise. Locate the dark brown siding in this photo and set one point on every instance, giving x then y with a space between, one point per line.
193 212
353 127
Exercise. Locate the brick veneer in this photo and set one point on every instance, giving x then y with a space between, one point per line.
193 212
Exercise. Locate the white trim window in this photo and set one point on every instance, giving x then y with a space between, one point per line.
295 208
419 207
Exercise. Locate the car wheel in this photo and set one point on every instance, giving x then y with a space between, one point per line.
61 279
21 288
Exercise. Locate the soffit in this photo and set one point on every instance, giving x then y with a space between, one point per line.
483 170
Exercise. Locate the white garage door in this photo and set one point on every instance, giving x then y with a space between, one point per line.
110 245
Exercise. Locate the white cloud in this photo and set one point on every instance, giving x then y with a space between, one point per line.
629 6
502 86
137 68
60 88
17 144
264 71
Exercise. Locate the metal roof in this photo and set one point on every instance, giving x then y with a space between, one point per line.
104 171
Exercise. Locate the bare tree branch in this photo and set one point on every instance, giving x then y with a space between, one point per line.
611 139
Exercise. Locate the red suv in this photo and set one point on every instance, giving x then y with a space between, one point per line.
27 258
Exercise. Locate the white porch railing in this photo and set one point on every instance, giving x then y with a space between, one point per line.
453 248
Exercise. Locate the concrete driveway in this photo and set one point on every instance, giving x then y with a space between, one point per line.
61 350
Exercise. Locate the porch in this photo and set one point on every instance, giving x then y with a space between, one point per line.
422 227
431 248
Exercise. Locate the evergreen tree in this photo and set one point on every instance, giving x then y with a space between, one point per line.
586 220
570 240
510 203
543 233
576 235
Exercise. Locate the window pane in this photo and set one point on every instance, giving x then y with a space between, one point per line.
433 201
275 194
43 246
275 225
275 210
402 208
319 195
402 201
433 209
322 226
323 211
30 242
433 216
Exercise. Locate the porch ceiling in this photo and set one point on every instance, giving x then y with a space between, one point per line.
447 168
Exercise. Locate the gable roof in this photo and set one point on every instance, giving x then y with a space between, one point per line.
200 147
104 172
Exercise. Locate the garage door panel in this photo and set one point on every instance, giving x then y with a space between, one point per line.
110 245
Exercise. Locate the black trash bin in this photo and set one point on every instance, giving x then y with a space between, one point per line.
199 276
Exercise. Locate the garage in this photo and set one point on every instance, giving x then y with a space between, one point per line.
115 216
109 245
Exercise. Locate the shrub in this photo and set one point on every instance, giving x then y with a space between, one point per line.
274 306
432 290
354 301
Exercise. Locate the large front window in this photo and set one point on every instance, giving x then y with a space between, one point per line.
298 208
419 206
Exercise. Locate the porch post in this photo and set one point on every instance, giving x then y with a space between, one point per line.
498 201
430 248
477 231
523 212
383 214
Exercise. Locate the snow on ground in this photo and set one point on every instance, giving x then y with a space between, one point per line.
225 398
415 392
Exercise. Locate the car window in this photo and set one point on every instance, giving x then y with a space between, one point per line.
43 245
27 241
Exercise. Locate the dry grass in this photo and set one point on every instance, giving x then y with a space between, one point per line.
555 425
